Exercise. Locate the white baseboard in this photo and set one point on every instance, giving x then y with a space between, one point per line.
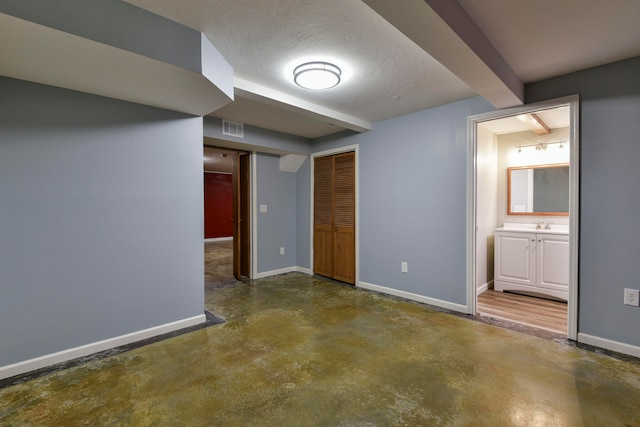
87 349
414 297
620 347
484 288
282 271
218 239
304 271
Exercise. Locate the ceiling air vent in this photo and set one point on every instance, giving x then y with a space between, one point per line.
232 129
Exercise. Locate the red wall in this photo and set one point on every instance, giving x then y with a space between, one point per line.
218 205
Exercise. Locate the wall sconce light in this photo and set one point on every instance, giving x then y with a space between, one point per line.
317 75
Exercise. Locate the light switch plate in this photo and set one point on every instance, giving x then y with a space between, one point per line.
263 208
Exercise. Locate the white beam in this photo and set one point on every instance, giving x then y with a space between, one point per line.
444 30
263 94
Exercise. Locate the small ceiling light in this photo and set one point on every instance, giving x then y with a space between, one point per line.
317 75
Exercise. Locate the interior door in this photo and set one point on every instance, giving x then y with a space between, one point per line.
334 217
344 218
241 216
323 216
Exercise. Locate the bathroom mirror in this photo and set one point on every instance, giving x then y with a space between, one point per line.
538 190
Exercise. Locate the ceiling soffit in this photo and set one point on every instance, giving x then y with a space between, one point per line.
109 64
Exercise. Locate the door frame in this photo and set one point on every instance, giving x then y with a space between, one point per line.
573 102
345 149
242 224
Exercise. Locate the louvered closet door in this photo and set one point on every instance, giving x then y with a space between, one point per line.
334 217
323 217
344 218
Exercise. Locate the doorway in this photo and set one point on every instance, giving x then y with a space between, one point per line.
227 216
488 212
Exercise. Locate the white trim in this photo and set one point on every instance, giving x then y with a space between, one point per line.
472 208
620 347
347 148
254 215
574 217
218 239
414 297
483 288
87 349
282 271
303 270
573 102
281 100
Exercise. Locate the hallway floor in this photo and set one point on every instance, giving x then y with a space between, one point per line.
303 351
218 264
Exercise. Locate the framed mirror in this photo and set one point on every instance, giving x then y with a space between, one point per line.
538 190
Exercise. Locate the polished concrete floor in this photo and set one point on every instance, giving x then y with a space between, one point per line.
302 351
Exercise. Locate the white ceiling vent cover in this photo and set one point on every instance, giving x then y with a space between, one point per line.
232 129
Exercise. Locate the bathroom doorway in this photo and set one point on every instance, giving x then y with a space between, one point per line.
531 136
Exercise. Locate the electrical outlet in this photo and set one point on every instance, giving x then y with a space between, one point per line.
632 297
282 250
404 267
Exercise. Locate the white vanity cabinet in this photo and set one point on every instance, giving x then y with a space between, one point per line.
536 262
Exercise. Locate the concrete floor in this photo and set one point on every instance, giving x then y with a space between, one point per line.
301 351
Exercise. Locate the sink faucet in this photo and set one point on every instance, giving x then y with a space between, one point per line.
541 225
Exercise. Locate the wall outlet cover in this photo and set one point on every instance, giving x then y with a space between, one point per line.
632 297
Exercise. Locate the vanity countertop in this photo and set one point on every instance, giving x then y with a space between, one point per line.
531 228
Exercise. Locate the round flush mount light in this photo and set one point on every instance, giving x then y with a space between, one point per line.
317 75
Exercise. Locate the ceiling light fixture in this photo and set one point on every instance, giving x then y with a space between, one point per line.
317 75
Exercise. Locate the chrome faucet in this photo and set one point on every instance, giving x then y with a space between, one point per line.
541 225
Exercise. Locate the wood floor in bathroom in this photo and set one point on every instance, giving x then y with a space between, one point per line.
531 311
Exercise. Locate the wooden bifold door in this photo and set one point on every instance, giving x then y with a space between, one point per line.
334 217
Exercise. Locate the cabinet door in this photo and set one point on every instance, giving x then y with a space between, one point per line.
553 262
515 255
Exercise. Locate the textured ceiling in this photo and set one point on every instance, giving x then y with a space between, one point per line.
547 38
387 72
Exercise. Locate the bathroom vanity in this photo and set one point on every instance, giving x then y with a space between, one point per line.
532 261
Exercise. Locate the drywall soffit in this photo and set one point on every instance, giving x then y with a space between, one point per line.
44 55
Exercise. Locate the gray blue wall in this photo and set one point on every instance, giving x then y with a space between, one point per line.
412 184
115 23
609 199
257 139
101 219
277 227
